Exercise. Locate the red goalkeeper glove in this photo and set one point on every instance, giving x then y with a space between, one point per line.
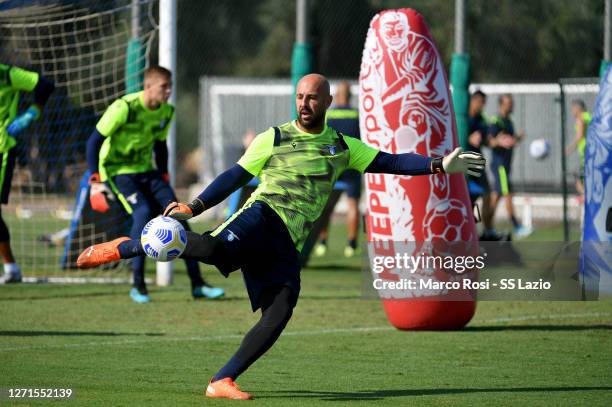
99 194
178 211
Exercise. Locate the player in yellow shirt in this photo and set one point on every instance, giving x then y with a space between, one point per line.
297 163
119 154
13 81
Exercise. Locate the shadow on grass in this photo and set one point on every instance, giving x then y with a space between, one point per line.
568 328
75 333
154 294
61 295
332 266
373 395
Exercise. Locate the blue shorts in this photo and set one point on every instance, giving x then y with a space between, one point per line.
257 241
352 179
501 176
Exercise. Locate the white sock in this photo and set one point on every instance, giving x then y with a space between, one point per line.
11 268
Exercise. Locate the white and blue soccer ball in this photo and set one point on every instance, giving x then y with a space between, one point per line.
539 149
163 239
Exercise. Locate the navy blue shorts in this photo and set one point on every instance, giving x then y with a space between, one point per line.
501 175
7 166
257 241
352 179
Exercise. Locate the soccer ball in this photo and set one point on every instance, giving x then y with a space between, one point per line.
539 149
163 239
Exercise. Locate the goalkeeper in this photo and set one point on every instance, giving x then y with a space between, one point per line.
119 156
13 80
298 163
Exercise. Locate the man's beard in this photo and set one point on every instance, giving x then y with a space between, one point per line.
315 122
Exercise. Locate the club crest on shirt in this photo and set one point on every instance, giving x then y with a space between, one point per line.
330 148
163 123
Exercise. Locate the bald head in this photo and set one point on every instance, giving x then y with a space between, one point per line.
312 99
315 81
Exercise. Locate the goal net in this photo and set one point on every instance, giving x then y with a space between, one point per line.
94 52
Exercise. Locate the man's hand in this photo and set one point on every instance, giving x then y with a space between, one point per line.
99 194
467 163
505 140
178 211
23 121
475 139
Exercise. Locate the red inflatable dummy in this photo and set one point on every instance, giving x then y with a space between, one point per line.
405 106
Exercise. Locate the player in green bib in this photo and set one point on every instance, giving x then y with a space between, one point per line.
13 81
582 119
120 156
297 163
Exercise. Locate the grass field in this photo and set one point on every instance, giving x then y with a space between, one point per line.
337 350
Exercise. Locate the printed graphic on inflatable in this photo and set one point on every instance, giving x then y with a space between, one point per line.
405 106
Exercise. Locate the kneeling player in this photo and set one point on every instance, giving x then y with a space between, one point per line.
298 163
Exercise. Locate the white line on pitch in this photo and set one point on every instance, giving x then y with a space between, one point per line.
290 333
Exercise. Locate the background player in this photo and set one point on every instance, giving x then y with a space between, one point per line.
478 128
502 139
13 81
119 153
582 119
298 163
345 119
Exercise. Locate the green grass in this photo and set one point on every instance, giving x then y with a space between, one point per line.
337 350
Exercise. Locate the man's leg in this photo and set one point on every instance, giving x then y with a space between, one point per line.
129 185
12 273
163 194
352 219
204 248
277 304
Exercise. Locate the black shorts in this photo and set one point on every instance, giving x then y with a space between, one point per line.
7 166
257 241
352 179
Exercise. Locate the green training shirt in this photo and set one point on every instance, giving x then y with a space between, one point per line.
131 130
12 81
298 172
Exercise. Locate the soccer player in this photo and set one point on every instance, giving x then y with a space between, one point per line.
298 163
119 155
13 81
582 119
345 119
502 139
479 186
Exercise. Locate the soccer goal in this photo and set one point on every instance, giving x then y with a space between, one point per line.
94 52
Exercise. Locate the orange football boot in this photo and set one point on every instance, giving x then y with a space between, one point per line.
226 389
99 254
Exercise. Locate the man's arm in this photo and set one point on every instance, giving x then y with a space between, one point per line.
364 158
160 149
113 118
30 82
416 164
249 166
222 186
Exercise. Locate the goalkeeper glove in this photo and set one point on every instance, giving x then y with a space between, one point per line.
23 121
464 162
99 194
182 211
